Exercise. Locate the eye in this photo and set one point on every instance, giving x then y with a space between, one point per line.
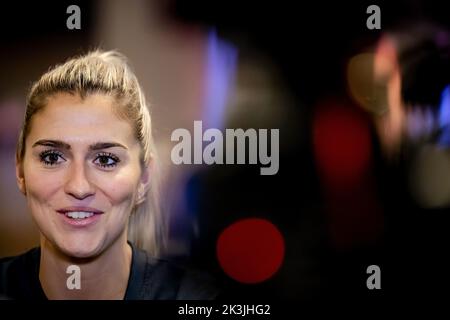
51 157
106 160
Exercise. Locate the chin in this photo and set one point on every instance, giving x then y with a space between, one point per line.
80 249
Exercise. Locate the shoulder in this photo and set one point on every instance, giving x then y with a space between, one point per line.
163 279
16 273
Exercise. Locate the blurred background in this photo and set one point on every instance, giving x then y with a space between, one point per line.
363 116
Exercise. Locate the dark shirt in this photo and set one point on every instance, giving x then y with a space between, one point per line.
150 279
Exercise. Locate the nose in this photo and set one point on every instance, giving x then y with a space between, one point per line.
77 182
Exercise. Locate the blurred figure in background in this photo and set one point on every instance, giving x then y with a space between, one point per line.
404 87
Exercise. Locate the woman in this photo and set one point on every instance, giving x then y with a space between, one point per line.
86 163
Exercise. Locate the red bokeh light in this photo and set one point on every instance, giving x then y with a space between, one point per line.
250 250
342 145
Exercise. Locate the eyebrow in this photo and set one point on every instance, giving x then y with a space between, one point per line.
62 145
105 145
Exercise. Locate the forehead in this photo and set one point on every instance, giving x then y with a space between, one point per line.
69 118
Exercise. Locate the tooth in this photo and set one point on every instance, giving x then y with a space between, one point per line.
79 214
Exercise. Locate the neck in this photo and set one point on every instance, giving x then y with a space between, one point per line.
104 277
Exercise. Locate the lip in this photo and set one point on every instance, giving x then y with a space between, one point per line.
80 222
77 208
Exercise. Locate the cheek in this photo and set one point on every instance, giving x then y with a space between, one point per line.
120 188
41 184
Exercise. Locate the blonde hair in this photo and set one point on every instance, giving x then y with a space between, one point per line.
107 72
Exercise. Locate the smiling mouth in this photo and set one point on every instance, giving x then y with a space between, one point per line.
78 214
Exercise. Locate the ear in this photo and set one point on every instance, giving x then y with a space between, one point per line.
20 177
144 183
